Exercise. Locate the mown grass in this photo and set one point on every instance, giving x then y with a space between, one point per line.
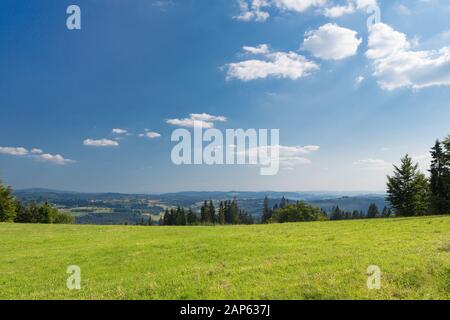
318 260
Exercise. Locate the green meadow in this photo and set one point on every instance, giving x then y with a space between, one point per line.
317 260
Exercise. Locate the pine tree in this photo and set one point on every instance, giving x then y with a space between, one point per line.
373 211
221 214
407 189
212 212
386 213
7 204
267 213
336 213
191 218
227 209
283 202
355 214
234 212
438 201
203 212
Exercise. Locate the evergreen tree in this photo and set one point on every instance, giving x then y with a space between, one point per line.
438 172
7 204
386 212
221 214
212 212
336 213
227 210
373 211
356 215
407 189
267 213
234 212
204 213
283 202
191 218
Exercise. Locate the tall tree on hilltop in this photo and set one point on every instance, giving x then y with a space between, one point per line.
407 189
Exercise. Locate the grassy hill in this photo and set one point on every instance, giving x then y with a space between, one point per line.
319 260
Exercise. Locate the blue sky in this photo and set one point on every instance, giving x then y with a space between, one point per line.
312 69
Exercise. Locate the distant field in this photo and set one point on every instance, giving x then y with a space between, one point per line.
319 260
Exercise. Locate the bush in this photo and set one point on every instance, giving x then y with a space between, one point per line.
298 212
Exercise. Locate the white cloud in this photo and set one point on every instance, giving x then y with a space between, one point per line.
36 151
55 159
150 134
14 151
119 131
100 143
201 119
276 64
207 117
261 49
252 11
396 65
258 10
332 42
298 5
37 154
359 80
338 11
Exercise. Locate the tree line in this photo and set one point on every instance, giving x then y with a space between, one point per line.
228 212
12 210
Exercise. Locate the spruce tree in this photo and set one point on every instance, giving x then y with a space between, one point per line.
373 211
438 201
7 204
407 189
267 213
221 214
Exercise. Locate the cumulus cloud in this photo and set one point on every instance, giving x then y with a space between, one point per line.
14 151
197 119
100 143
274 64
332 42
397 65
338 11
55 159
253 10
261 49
119 131
35 153
258 10
150 134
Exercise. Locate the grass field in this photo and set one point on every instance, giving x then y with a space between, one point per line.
319 260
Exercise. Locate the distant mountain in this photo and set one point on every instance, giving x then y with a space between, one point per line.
119 208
